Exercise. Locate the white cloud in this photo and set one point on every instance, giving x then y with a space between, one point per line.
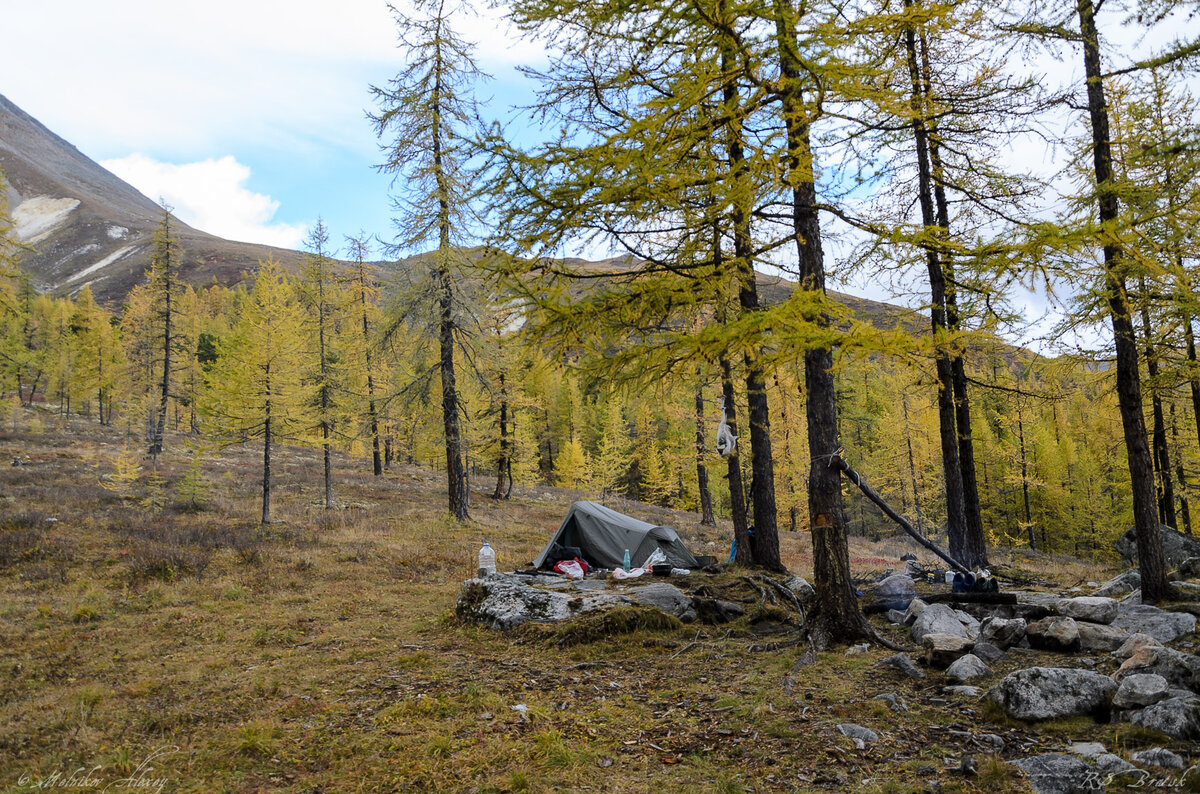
210 195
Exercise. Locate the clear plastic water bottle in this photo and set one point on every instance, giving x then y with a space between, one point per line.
625 564
487 560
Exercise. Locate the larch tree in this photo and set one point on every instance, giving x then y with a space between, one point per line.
426 123
166 258
361 280
255 387
319 286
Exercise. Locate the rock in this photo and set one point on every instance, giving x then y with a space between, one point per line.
1059 773
967 667
1135 643
1159 624
666 597
1140 690
1120 584
852 731
969 623
1087 749
1176 546
1133 598
896 617
973 692
1110 765
1094 637
1002 633
801 588
896 592
941 650
1180 669
501 602
1053 634
902 663
1157 756
987 652
991 741
715 611
915 608
1090 608
1043 693
1188 589
1178 718
938 619
894 701
1190 568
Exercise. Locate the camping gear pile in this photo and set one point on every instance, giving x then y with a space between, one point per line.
593 537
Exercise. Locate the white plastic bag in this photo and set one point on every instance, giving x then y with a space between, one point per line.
570 568
621 573
656 557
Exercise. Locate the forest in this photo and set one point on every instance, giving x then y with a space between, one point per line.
733 156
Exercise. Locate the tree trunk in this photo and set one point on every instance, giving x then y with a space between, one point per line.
956 518
838 618
706 508
266 479
1129 391
765 544
502 465
372 415
1162 455
737 489
1193 370
1184 508
456 476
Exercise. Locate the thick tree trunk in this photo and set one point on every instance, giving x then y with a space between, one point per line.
1193 370
706 508
1129 391
838 618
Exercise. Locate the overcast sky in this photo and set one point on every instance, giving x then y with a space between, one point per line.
248 115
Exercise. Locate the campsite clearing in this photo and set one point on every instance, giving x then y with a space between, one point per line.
322 653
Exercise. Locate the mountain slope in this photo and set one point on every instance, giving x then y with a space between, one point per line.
86 226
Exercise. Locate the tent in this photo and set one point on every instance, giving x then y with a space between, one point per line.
603 535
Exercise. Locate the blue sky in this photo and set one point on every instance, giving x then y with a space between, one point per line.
248 117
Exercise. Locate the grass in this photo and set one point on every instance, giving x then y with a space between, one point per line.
323 652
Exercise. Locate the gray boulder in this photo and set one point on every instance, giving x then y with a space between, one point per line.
1087 749
666 597
1044 693
989 653
1178 718
1120 585
967 667
966 691
1180 669
1190 568
1053 634
1095 637
1059 773
1160 757
942 650
915 608
1140 690
1111 765
937 619
895 592
1001 632
1161 625
901 662
802 589
1093 609
502 602
1176 546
